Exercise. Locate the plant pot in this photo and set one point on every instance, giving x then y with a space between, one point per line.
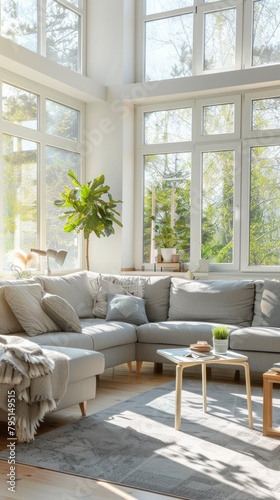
167 253
220 346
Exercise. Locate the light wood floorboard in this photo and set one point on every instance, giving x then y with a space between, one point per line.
115 385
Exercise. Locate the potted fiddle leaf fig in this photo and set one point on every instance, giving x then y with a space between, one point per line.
220 339
86 209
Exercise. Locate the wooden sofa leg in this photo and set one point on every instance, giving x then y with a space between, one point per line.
129 364
83 407
138 366
158 367
237 376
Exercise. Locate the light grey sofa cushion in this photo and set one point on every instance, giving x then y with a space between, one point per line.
157 290
154 289
74 288
229 302
181 333
270 303
107 334
259 339
62 339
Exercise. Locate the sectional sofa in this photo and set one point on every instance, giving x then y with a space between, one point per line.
127 318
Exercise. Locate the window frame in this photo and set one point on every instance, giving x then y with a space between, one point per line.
245 220
248 111
43 140
200 29
198 9
240 142
196 204
81 12
211 101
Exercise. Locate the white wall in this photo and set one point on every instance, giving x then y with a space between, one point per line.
110 125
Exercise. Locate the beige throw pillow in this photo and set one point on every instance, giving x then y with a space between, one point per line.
61 312
25 302
8 321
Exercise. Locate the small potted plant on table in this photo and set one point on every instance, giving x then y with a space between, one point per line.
220 339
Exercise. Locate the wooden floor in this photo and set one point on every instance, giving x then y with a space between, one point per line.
115 385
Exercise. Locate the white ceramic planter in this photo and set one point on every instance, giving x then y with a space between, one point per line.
220 346
167 253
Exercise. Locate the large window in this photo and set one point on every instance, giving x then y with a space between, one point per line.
209 180
41 141
53 28
188 37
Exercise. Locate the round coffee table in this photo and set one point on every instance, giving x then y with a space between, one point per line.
182 358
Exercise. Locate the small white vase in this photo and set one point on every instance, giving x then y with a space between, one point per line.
220 346
167 253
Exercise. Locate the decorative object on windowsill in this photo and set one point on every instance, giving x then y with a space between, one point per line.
87 211
203 267
220 339
166 241
21 261
58 255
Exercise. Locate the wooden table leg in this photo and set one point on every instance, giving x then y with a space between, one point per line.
249 395
204 390
267 406
179 378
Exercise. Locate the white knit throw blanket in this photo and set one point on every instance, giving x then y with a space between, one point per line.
39 377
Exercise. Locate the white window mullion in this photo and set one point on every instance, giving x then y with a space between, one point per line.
245 204
247 35
196 210
42 35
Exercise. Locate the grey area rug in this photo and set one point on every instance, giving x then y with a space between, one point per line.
215 456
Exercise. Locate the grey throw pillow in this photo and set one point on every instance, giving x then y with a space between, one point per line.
100 303
128 309
270 303
61 312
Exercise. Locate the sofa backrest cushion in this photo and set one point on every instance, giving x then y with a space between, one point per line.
270 303
229 302
154 289
74 288
8 321
157 290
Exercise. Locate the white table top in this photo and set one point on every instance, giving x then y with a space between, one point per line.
180 356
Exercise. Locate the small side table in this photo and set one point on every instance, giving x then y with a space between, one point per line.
182 360
269 378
